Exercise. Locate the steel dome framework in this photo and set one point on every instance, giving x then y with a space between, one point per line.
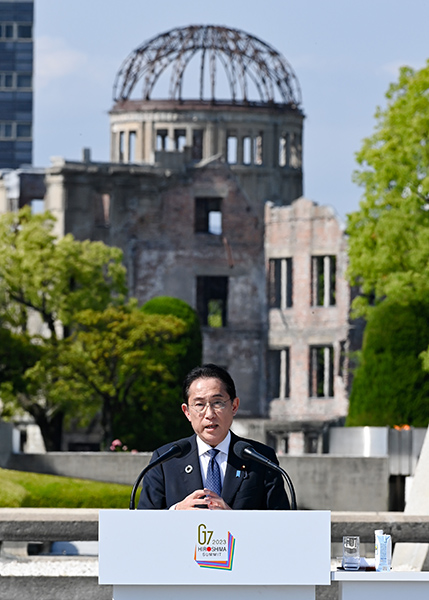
248 63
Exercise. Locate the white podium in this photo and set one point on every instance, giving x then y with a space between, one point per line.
252 554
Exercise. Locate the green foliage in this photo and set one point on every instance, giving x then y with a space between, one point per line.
390 386
20 489
44 283
72 348
188 349
389 259
154 416
389 235
118 360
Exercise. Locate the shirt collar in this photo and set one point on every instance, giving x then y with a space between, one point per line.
222 447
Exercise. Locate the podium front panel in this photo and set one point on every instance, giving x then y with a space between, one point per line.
214 547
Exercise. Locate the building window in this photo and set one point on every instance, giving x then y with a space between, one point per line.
295 150
231 149
258 149
311 443
23 130
102 209
278 374
208 215
132 146
212 296
321 371
25 31
23 80
121 146
247 150
197 144
179 139
6 131
280 283
161 139
6 80
323 280
284 150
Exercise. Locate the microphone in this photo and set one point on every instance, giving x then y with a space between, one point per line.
178 449
244 450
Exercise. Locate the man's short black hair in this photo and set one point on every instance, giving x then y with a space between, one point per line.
205 372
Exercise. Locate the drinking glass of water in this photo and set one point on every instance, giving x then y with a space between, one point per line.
351 554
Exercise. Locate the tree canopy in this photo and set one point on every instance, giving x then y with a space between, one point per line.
389 234
389 259
73 347
389 385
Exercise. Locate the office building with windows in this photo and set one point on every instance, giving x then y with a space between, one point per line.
16 83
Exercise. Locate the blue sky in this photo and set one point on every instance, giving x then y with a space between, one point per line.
344 53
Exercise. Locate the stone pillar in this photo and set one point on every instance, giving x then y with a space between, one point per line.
296 443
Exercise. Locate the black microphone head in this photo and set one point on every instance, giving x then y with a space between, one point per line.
183 448
240 449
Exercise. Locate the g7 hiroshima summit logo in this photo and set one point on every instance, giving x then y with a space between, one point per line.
212 551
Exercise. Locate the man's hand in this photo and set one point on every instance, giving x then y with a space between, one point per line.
202 499
194 501
215 502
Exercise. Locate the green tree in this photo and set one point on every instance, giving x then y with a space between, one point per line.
389 258
117 362
389 385
44 282
389 234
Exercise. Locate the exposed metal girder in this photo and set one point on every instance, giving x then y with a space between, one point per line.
245 59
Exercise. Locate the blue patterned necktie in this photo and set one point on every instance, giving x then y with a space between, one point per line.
213 482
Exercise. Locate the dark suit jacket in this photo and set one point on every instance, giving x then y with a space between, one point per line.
248 485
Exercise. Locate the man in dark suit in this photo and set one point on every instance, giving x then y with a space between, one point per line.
206 478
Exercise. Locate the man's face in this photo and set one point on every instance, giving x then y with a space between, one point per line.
211 425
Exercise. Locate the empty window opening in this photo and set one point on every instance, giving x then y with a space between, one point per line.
208 215
284 150
295 150
258 149
280 281
312 443
161 139
37 206
278 373
102 209
197 144
212 296
247 151
132 146
321 371
121 146
231 149
323 280
179 139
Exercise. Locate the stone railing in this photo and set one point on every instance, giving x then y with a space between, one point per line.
63 524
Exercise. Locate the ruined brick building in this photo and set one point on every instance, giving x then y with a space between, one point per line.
203 192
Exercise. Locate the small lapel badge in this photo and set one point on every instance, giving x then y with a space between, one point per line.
238 473
189 469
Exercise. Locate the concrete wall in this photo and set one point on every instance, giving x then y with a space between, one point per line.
320 481
9 439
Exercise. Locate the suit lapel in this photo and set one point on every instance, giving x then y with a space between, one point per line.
188 469
235 474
